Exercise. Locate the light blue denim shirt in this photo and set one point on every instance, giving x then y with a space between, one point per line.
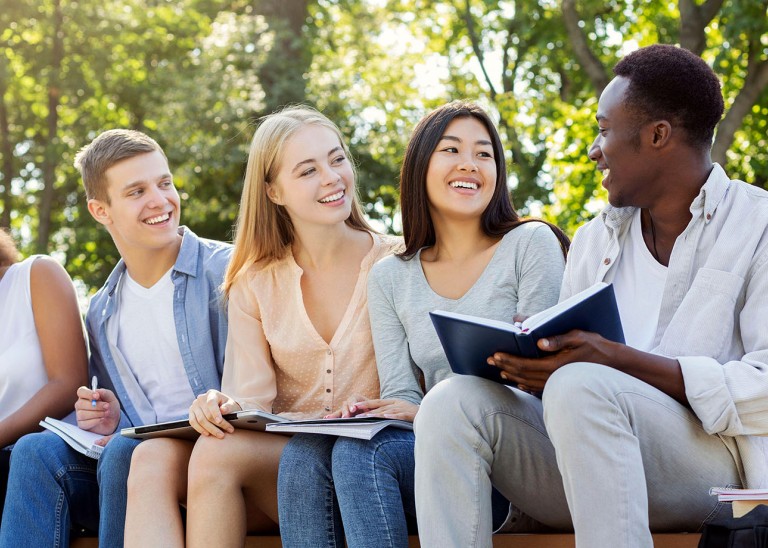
201 326
714 309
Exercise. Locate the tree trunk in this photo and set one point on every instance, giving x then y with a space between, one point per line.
693 23
588 60
754 84
282 75
6 149
478 51
51 149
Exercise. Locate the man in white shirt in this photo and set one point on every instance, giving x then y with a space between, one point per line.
628 438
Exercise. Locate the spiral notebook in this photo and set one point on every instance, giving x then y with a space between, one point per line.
78 439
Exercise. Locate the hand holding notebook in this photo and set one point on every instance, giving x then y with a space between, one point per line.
78 439
470 341
97 409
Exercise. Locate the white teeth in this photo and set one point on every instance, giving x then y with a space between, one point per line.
463 184
332 197
158 219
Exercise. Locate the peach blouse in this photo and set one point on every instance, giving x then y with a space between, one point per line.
277 362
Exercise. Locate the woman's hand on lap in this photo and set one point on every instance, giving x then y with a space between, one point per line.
388 409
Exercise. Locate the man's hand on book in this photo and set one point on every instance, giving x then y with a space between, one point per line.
102 418
388 409
206 413
574 346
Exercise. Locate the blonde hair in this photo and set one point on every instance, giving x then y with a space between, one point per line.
264 232
109 148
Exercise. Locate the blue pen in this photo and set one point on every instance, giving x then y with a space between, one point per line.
94 384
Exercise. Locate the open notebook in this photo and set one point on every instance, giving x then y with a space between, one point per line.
78 439
363 428
468 341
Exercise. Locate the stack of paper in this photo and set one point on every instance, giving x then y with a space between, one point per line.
363 428
742 500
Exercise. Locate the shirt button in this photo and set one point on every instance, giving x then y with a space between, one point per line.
607 261
709 216
327 389
327 370
328 352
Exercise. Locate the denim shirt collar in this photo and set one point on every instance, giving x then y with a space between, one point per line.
186 261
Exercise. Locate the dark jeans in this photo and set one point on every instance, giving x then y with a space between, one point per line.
5 462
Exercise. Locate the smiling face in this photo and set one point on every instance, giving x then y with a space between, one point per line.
143 208
461 176
315 183
621 149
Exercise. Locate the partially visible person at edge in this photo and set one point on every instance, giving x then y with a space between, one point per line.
299 340
467 251
631 437
43 355
157 331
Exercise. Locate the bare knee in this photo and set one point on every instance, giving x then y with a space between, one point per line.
155 466
206 463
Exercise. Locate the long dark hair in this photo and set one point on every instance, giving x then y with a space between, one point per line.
498 218
8 252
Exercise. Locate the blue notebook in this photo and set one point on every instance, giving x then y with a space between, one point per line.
469 341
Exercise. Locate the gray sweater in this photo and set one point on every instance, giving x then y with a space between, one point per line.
523 276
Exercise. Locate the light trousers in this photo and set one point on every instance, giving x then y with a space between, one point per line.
603 453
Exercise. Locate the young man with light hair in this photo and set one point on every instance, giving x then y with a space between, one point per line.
157 332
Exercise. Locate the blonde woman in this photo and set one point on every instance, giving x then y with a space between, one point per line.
299 341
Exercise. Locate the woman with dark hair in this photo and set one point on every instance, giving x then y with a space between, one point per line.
42 346
467 251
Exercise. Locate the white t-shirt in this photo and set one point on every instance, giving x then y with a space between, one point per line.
147 340
638 281
22 370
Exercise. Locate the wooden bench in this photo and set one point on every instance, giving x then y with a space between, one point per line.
681 540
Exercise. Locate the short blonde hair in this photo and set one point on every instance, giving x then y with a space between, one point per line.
109 148
264 231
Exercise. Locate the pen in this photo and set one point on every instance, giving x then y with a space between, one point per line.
94 384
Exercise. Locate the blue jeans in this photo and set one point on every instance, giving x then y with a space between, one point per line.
366 485
5 462
52 487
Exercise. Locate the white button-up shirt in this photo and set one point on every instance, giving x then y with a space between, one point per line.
714 310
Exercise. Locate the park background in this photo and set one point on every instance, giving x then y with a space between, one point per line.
197 74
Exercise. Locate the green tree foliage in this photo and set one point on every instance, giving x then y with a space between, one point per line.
197 75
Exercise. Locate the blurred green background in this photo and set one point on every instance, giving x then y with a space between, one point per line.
197 74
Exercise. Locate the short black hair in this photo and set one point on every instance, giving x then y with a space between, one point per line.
675 84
